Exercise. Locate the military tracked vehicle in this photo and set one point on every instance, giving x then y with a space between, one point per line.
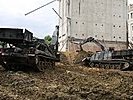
21 51
110 60
107 59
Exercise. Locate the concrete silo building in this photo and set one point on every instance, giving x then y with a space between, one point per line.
130 23
105 20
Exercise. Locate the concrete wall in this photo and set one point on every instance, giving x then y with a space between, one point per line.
130 23
101 19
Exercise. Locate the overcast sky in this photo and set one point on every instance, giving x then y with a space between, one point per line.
41 22
130 1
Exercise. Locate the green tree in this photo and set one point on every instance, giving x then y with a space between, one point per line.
47 39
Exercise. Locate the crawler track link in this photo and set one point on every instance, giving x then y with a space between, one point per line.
43 63
117 66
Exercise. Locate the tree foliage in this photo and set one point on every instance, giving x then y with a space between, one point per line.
48 39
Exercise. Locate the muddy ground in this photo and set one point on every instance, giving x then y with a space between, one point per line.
67 82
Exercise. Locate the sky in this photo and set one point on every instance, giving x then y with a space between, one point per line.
130 1
41 23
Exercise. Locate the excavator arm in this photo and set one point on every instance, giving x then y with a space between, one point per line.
91 39
84 41
99 44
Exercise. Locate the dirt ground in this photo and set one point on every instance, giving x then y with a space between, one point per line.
67 82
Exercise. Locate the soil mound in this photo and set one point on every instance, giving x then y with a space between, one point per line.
81 55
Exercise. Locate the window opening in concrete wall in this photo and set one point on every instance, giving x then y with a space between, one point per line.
119 26
119 16
119 37
63 35
113 25
82 34
131 15
102 24
82 23
102 36
114 36
128 16
76 34
95 35
79 8
96 24
68 6
76 22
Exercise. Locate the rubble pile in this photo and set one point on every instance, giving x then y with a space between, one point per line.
74 57
80 55
67 82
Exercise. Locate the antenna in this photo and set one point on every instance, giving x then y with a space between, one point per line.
39 7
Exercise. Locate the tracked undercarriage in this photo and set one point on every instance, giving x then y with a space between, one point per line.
109 64
20 51
36 63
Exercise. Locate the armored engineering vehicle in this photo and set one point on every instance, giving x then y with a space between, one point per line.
21 51
108 58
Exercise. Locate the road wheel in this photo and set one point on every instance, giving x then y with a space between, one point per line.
39 64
